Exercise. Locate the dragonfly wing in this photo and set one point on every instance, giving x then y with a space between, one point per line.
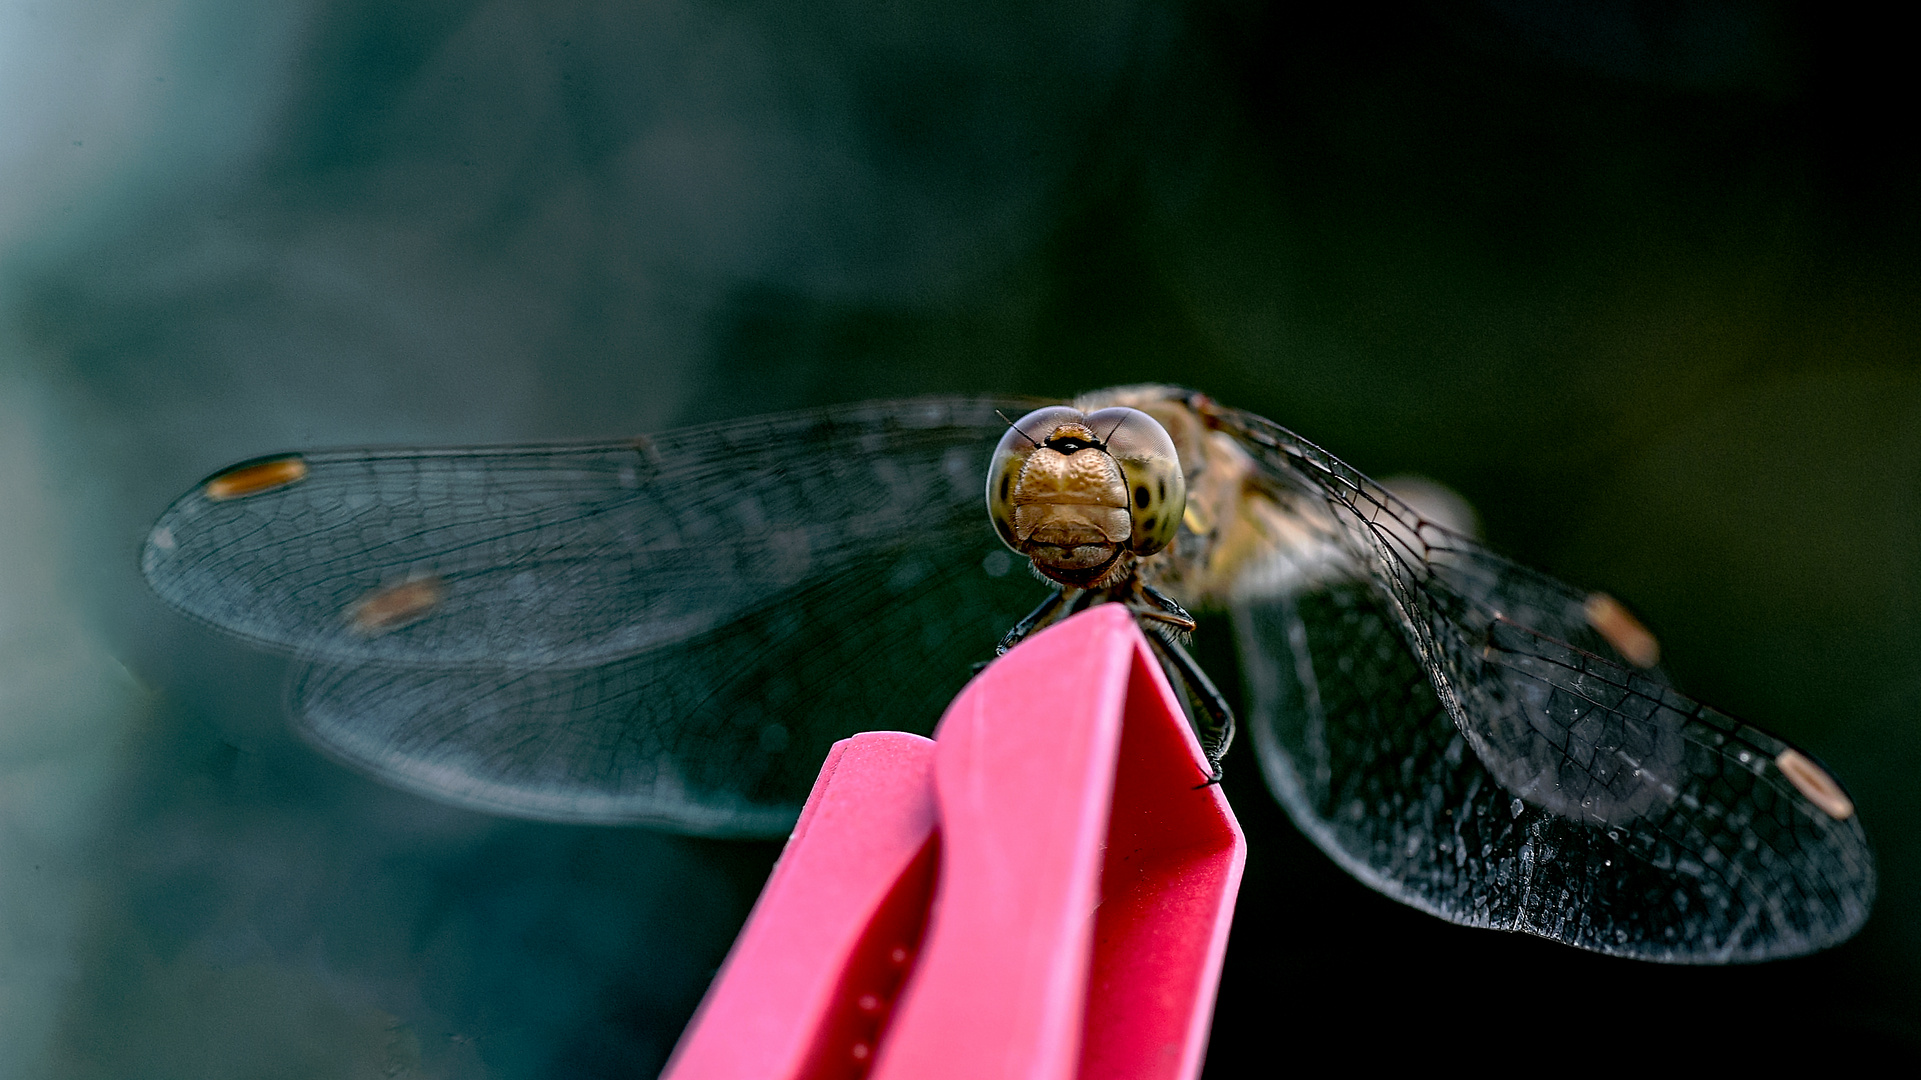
563 554
1451 727
1355 742
720 733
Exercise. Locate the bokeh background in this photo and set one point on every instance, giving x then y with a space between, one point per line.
1638 279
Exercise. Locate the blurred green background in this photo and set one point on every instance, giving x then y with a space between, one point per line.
1637 279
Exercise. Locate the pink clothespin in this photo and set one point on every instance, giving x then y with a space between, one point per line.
1044 892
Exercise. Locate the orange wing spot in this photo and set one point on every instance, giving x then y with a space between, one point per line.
1814 782
245 480
1622 630
392 606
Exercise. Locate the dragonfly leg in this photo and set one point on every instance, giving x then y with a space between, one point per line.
1161 608
1214 720
1039 617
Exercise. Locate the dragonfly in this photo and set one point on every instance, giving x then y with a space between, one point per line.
672 630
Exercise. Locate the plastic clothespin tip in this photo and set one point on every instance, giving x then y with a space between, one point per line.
1086 884
813 975
1044 892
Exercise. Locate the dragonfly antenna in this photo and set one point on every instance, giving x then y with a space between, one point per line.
1016 428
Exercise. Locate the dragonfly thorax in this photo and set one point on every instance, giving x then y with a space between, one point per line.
1079 494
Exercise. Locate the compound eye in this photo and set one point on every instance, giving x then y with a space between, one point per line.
1156 488
1010 457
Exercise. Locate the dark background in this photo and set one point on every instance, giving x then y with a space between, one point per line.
1637 279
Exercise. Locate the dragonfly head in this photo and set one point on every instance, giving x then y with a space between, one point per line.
1074 491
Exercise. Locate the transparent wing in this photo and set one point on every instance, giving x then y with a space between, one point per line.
562 554
1455 730
721 733
670 630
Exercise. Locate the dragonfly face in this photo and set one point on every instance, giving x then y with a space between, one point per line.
1081 494
672 630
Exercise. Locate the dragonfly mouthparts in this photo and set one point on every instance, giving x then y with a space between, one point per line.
1070 445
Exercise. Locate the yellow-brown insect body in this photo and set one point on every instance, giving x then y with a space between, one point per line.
1082 495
